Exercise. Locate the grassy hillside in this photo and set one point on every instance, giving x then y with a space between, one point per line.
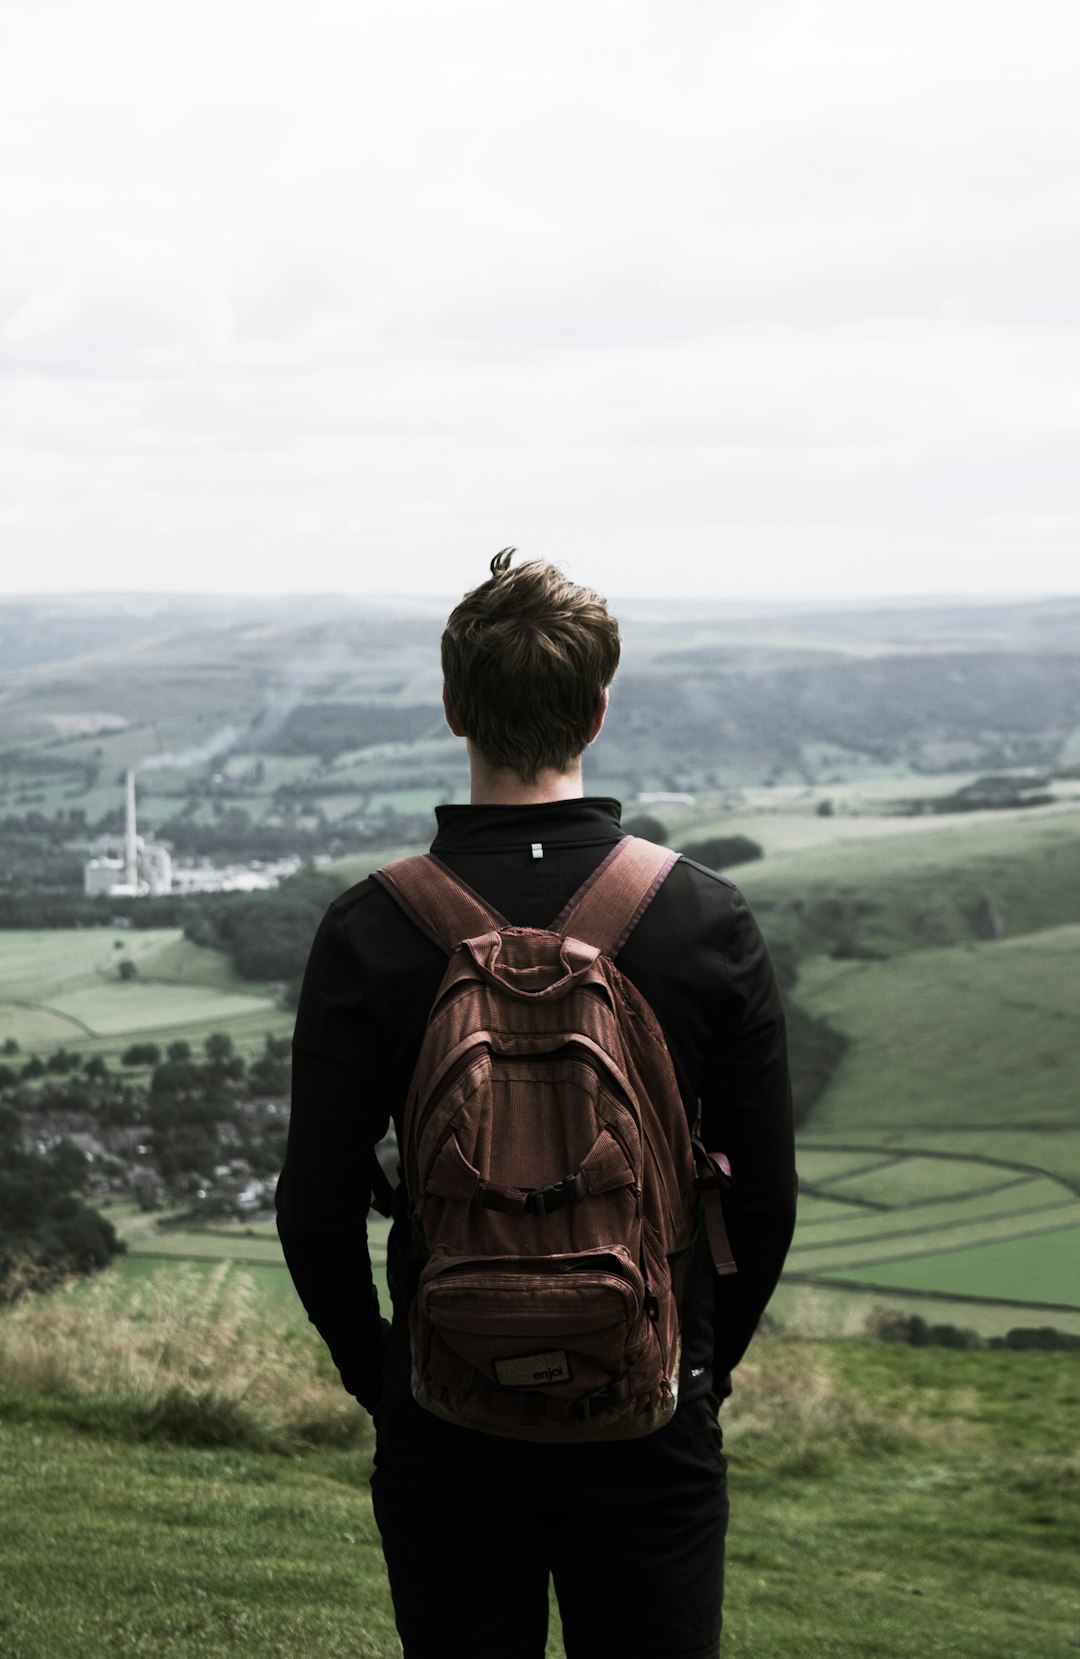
917 882
886 1501
979 1035
941 1165
207 703
890 1501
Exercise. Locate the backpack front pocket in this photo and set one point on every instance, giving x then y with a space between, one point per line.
563 1323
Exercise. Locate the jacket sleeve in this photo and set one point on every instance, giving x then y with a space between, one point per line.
746 1112
339 1113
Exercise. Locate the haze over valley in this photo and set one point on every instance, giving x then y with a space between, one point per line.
896 788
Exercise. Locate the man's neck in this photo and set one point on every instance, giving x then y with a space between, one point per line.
501 786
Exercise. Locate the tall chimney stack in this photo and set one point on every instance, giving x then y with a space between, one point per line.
131 850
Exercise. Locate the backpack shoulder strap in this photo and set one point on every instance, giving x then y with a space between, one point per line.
609 904
437 901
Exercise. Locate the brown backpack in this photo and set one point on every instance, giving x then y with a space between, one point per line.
548 1163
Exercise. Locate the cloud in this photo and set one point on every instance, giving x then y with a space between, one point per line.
132 305
317 295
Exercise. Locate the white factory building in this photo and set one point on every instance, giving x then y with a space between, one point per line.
126 866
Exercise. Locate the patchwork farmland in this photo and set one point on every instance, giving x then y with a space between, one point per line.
940 1169
64 986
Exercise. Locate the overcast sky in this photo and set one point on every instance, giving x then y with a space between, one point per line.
733 297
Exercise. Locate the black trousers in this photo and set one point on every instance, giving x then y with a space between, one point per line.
631 1533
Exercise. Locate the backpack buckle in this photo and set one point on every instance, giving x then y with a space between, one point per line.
543 1200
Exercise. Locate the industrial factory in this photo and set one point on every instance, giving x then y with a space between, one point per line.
127 866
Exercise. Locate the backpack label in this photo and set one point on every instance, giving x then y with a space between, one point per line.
533 1370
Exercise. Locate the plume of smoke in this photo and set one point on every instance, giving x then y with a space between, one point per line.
223 739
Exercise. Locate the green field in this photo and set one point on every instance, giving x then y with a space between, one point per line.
941 1164
1043 1265
985 1034
920 879
155 1241
940 1170
62 986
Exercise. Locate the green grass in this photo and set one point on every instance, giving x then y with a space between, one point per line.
985 1034
271 1280
907 1504
169 1553
1006 1208
968 1050
924 877
61 985
824 1164
955 1046
959 1074
908 1245
138 1008
176 961
913 1180
33 960
359 865
1041 1268
407 800
210 1245
152 1243
952 1226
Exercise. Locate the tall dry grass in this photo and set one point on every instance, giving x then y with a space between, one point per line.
205 1359
212 1360
789 1407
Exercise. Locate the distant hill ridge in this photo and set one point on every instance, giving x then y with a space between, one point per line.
704 699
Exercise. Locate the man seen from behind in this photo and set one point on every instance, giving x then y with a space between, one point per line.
475 1524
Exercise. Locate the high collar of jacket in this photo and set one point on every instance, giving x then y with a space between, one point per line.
586 818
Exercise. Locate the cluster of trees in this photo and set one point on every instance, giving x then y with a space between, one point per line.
47 1230
717 852
267 935
195 1117
995 792
917 1332
177 1070
723 852
39 906
234 835
33 862
181 1073
60 1063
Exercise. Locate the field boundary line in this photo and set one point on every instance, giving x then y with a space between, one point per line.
1020 1179
861 1169
866 1287
916 1203
57 1013
812 1189
209 1260
967 1157
957 1249
874 1205
943 1227
377 1259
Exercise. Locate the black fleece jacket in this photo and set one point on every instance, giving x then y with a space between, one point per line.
698 958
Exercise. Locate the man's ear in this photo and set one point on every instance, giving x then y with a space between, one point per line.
451 714
598 718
